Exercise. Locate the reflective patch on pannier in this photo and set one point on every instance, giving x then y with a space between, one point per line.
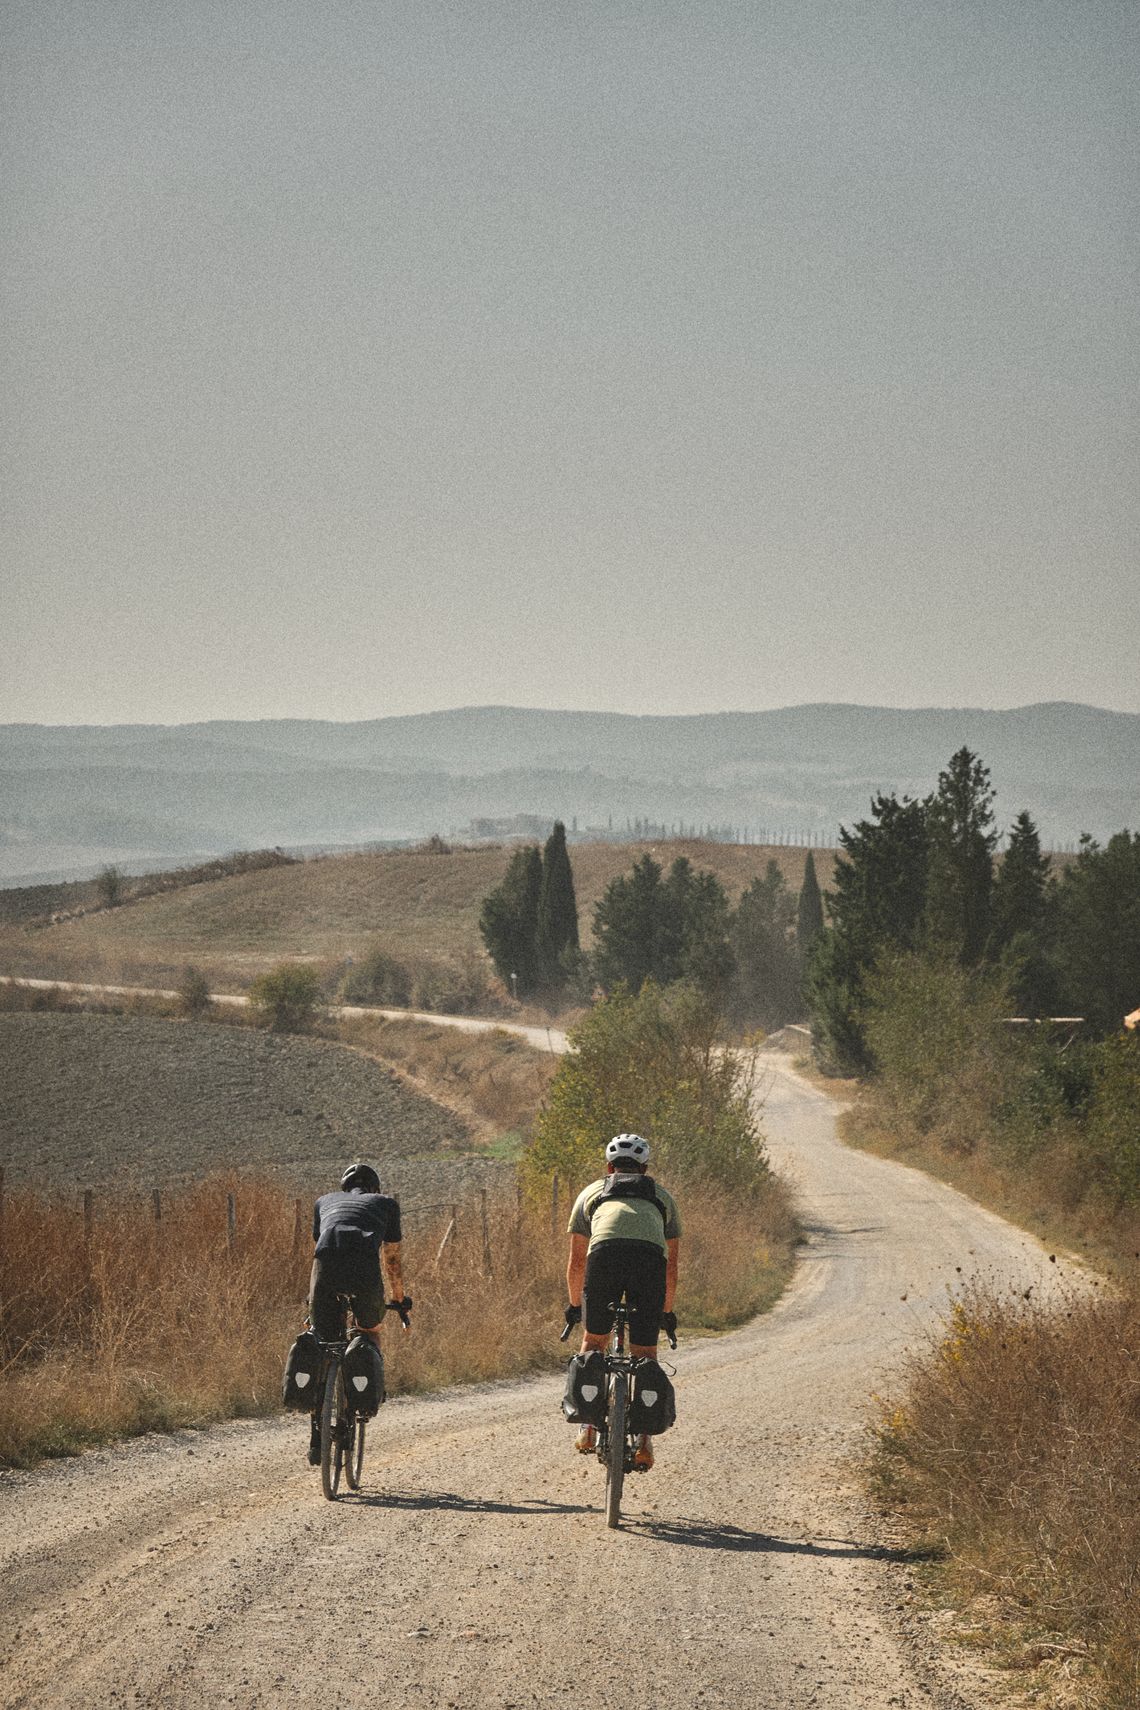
653 1404
364 1375
584 1399
302 1371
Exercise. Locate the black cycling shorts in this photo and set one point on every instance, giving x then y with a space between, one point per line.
635 1270
326 1312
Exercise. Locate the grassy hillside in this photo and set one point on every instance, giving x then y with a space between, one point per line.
413 902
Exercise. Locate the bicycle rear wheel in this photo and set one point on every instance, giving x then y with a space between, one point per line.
332 1416
615 1457
354 1452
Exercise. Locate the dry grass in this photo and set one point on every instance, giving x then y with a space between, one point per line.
494 1080
1016 1440
416 904
146 1326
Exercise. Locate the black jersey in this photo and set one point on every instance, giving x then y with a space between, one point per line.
349 1228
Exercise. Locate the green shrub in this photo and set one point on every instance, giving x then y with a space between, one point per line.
193 992
381 979
461 987
651 1063
943 1056
287 997
1112 1120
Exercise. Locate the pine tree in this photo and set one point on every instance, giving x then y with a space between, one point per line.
1098 949
878 903
627 922
646 927
809 912
960 872
556 939
1018 901
766 988
692 939
1021 920
508 920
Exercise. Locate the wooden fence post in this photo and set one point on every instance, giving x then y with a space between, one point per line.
88 1213
487 1267
554 1205
447 1236
231 1223
298 1225
156 1201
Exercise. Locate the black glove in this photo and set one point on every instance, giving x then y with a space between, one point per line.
572 1315
669 1325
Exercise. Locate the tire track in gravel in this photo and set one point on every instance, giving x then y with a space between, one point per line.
475 1569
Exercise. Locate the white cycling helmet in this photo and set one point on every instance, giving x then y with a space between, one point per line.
627 1149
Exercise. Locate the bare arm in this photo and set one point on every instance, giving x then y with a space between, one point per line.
576 1269
670 1273
392 1270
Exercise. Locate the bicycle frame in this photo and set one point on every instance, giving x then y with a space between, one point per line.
342 1429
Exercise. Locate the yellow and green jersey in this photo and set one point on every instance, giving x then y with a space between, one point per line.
601 1217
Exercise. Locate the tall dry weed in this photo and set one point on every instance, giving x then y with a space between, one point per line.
141 1324
1016 1438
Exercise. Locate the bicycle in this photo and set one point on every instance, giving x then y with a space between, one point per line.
617 1443
341 1426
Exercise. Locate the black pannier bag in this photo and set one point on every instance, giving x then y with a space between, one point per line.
364 1376
584 1402
302 1374
653 1405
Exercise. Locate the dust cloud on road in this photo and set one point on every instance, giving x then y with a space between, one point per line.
475 1568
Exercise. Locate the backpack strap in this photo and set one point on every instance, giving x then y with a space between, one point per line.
596 1199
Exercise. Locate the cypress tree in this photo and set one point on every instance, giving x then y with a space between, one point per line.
556 938
809 911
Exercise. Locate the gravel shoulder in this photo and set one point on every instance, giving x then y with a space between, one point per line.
475 1568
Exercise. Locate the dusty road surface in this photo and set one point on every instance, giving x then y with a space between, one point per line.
475 1570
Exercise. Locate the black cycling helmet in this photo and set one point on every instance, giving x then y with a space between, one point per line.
362 1177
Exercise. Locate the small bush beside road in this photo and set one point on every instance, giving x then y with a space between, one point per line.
1015 1441
288 997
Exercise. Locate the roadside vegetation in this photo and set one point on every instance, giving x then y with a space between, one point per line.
982 1003
1013 1444
235 919
652 1062
137 1313
139 1325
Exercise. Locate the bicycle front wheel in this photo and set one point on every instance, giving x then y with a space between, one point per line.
332 1414
615 1458
354 1452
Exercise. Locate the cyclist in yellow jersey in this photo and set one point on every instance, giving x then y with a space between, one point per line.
624 1231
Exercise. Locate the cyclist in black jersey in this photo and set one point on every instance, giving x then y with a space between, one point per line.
354 1230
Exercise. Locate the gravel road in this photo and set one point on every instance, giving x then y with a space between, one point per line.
475 1569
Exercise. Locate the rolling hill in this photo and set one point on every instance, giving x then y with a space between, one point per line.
413 902
72 797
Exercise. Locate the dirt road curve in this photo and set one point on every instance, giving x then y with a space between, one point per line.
475 1569
542 1038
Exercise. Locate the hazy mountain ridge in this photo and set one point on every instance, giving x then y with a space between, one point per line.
226 784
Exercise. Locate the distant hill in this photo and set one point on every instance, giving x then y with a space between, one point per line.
74 796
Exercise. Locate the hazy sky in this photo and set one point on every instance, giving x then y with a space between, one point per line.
366 358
